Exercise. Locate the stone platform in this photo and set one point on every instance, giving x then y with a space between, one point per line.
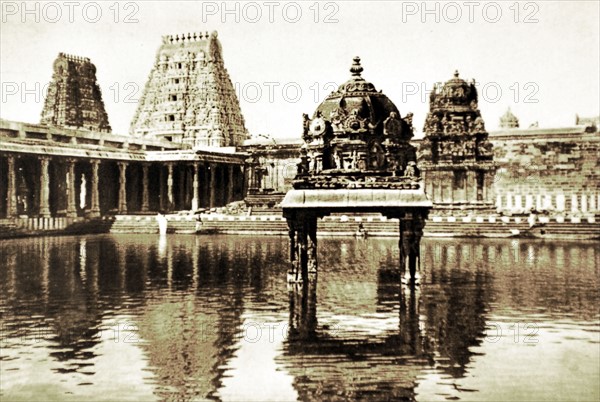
274 224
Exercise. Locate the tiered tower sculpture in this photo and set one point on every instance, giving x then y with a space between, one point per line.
74 98
189 97
455 157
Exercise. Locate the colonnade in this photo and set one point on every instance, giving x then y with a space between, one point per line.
583 202
54 186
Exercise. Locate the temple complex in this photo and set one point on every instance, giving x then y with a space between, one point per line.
188 150
74 98
456 156
189 97
71 167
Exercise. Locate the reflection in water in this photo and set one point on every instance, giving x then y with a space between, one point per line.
194 317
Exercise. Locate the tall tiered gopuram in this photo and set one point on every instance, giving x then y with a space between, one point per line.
74 98
189 97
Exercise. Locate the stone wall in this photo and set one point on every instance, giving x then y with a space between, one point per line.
553 169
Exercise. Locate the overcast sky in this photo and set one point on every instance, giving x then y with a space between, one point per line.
539 58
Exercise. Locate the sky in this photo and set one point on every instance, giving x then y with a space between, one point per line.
540 58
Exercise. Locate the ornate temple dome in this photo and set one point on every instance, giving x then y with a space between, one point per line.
456 94
356 106
358 138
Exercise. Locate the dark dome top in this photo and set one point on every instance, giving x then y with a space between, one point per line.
359 98
455 94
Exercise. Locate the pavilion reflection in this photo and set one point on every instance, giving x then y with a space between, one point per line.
437 324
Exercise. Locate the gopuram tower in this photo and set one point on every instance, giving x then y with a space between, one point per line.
455 157
74 98
189 97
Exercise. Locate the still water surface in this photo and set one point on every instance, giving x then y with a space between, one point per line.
211 317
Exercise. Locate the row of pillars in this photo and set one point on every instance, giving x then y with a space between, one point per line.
13 198
589 202
458 186
25 183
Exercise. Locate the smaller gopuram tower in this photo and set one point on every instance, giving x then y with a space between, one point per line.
74 97
455 157
189 97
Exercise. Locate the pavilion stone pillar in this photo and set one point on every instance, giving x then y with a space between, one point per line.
411 231
44 187
11 196
230 179
170 186
196 188
213 184
71 196
122 207
303 246
95 197
145 202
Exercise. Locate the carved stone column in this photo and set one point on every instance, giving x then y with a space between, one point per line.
71 196
44 187
11 196
411 231
213 184
303 246
472 184
170 187
230 178
196 188
122 208
182 189
162 191
95 198
145 202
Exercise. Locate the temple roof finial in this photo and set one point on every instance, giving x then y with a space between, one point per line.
356 68
456 73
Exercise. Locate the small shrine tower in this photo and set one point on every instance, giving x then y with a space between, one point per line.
455 157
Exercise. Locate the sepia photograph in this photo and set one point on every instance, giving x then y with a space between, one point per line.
300 201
